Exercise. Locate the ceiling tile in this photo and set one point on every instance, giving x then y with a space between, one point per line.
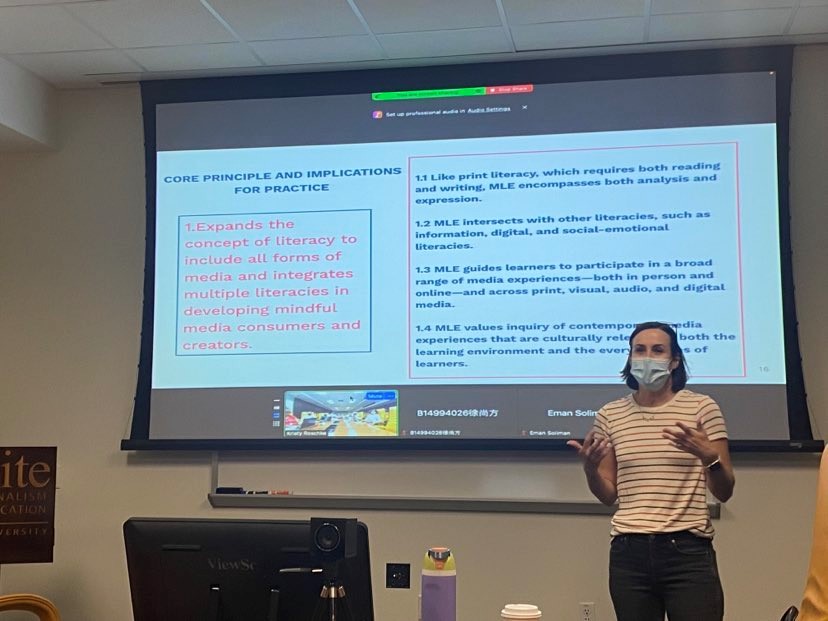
325 50
190 57
810 20
44 29
393 17
289 19
591 33
532 11
62 40
719 25
704 6
145 23
446 42
33 2
64 68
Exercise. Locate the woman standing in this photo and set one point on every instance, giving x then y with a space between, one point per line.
656 452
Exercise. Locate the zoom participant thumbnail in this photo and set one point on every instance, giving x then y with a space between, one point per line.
341 414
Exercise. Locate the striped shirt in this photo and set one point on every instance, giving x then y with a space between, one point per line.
661 489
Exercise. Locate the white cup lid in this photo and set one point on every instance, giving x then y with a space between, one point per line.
520 611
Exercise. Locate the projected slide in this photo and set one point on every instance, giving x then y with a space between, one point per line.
555 233
463 256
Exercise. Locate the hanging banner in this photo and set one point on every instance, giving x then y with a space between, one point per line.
27 504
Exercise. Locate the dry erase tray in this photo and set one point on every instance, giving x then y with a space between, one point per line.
414 503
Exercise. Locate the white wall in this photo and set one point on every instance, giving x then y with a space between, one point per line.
27 110
71 270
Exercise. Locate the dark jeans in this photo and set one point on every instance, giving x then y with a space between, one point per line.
674 573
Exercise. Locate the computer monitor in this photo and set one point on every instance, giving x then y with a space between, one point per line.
236 570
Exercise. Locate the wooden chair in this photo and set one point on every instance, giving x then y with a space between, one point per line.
26 602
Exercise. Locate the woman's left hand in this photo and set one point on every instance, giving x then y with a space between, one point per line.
693 441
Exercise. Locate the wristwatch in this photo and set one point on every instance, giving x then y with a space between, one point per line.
714 465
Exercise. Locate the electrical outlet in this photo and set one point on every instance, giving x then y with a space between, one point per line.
586 611
397 576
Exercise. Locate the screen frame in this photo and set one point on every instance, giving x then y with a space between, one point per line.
580 69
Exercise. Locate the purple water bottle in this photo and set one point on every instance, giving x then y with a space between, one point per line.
438 587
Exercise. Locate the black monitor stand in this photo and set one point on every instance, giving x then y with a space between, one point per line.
332 604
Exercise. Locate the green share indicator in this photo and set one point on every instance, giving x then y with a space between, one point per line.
429 94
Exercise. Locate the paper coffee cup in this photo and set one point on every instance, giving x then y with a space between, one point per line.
520 611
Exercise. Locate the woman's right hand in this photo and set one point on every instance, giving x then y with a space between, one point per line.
594 448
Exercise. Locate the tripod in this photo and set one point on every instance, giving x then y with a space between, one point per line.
332 604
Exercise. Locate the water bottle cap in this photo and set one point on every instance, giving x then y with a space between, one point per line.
439 554
520 611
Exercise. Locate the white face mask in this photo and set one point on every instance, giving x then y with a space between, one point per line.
651 373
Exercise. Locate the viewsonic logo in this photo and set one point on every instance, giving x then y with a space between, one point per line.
242 564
